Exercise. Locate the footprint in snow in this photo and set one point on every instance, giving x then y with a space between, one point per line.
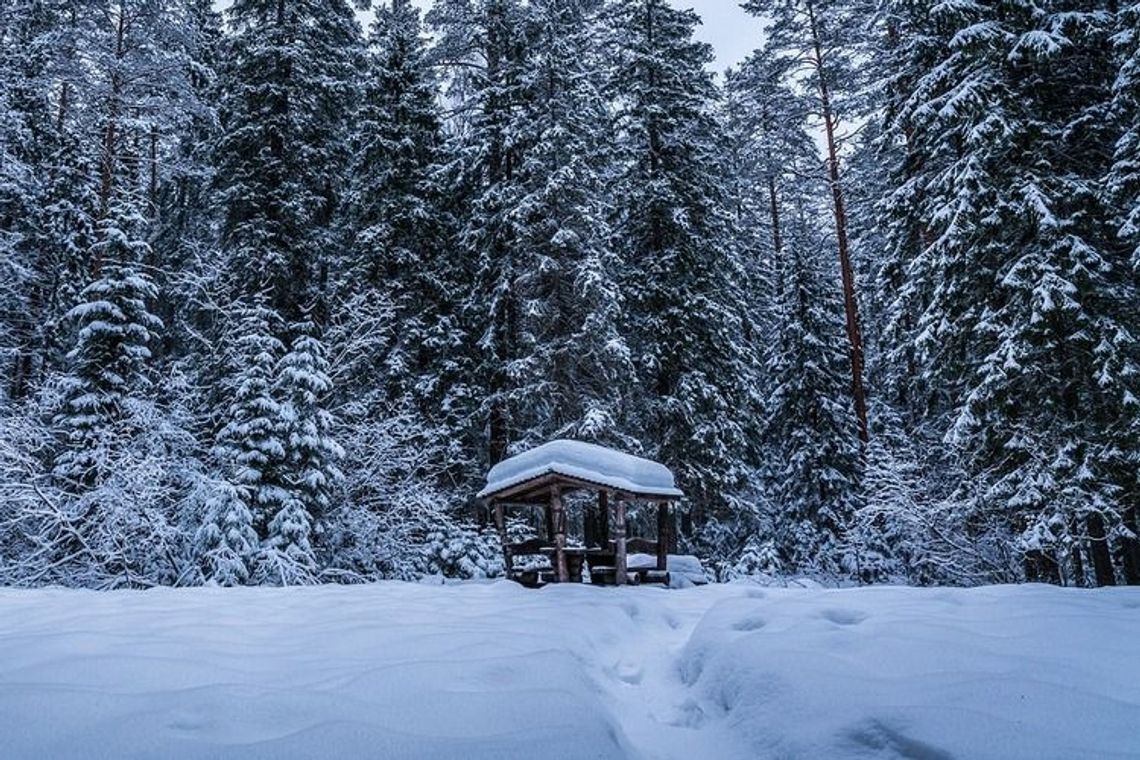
690 715
629 673
844 617
749 624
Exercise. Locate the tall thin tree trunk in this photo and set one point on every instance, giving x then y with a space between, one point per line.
1130 549
111 129
499 170
850 303
774 209
1076 558
1098 548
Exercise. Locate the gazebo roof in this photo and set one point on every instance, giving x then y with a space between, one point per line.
582 465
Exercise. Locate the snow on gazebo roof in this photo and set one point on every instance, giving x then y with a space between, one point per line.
588 462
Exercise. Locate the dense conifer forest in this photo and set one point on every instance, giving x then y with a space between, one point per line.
278 286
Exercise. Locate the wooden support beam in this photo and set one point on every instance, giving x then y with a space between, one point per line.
559 519
619 541
501 526
549 519
604 518
662 535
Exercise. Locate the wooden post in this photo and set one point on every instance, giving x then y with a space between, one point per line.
501 525
559 516
663 535
604 518
548 516
619 540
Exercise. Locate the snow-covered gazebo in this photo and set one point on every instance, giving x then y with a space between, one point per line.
541 476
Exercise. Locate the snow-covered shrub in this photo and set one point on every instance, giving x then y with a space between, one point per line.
225 543
129 529
463 551
759 558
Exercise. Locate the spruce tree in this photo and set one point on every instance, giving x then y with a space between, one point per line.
303 385
1016 297
290 84
482 47
1124 195
813 45
401 284
113 329
813 455
225 541
573 361
680 272
251 443
47 206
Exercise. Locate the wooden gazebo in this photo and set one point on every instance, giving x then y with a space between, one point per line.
542 476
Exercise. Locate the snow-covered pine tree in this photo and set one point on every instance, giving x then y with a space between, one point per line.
812 462
291 85
395 193
681 275
252 438
46 201
395 322
1124 195
482 49
573 363
18 195
1022 330
302 384
184 215
113 328
813 43
765 144
225 542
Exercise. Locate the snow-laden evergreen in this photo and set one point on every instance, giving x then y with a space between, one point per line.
108 366
302 384
574 364
812 452
1014 293
680 272
290 83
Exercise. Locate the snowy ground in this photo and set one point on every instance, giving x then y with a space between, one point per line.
492 670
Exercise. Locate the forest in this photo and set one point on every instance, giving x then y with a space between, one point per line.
279 283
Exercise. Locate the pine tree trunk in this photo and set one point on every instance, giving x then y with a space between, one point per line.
1076 558
774 209
850 303
1098 548
109 162
1130 549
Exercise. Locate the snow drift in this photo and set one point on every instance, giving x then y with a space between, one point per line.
490 670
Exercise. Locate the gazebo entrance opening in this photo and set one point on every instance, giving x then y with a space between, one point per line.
544 476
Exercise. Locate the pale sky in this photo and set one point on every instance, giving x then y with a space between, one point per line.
732 32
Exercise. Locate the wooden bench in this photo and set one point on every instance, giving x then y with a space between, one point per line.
536 575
